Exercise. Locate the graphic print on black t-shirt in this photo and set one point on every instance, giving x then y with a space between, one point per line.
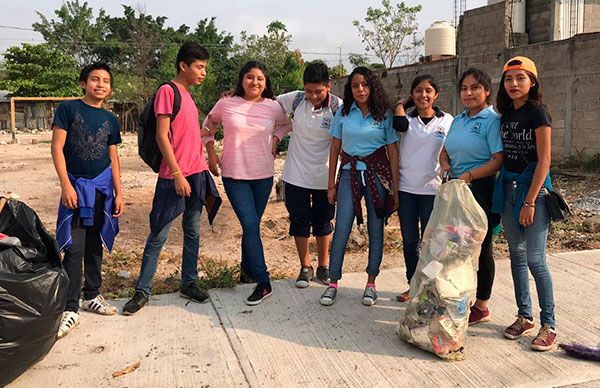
86 144
90 131
518 135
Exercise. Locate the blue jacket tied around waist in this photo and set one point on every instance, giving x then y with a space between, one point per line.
523 181
168 205
86 198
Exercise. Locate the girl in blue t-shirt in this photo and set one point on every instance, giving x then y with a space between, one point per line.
473 152
363 135
519 196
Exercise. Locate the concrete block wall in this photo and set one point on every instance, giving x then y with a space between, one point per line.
483 29
591 16
540 20
397 82
569 69
569 74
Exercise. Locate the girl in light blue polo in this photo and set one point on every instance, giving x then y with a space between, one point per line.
473 152
363 135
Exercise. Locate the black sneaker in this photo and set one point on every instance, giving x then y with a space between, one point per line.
260 292
305 276
134 305
323 274
245 277
194 293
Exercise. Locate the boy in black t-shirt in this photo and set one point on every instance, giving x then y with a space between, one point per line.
84 151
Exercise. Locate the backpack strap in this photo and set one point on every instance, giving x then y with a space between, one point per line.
297 100
335 104
176 99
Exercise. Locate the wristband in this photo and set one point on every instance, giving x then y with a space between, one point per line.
527 204
331 187
175 173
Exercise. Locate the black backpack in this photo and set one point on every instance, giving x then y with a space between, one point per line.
147 145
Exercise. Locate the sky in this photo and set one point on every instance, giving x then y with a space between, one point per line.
318 27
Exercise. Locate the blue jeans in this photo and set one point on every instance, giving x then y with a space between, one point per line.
343 226
527 247
414 209
191 245
249 199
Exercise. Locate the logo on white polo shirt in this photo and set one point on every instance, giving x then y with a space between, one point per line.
326 123
440 133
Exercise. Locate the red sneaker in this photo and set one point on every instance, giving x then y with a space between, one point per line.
521 326
545 340
478 315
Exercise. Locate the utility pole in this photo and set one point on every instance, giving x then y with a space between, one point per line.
340 64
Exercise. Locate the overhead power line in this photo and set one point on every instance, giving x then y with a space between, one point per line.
148 44
17 28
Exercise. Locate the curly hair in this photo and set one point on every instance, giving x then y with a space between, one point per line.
379 103
239 89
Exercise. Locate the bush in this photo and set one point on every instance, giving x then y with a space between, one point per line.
218 274
589 164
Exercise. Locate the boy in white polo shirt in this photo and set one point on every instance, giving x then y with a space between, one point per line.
305 171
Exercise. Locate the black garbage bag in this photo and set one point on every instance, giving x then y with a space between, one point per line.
33 289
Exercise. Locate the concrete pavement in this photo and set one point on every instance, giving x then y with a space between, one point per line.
291 340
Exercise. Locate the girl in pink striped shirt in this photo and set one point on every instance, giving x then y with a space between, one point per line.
251 119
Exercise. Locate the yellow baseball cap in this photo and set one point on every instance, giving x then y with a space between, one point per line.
520 63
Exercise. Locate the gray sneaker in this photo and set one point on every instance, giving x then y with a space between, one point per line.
369 296
305 276
323 274
328 296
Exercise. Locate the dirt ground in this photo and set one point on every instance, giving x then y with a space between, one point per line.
26 170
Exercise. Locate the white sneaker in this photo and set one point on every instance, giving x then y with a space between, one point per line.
99 305
70 319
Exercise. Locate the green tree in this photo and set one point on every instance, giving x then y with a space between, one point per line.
75 31
357 60
134 45
285 66
338 71
39 71
222 70
315 61
385 30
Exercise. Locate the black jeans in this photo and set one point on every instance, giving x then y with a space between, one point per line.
86 248
483 190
